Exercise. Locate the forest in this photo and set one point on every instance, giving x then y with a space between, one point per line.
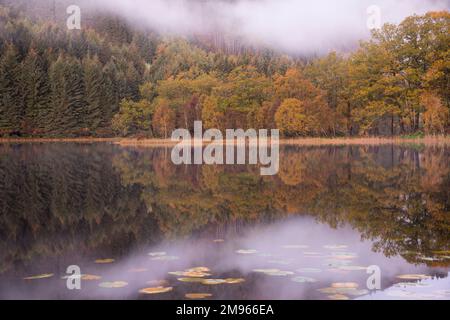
111 79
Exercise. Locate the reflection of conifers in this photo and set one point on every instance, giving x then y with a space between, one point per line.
58 198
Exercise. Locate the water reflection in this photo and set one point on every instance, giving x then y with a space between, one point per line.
73 204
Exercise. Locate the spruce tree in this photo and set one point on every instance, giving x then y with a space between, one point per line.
95 97
11 111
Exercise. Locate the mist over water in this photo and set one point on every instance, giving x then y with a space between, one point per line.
294 26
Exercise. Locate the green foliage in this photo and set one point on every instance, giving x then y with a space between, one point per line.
69 83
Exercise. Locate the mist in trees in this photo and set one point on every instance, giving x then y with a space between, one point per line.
110 79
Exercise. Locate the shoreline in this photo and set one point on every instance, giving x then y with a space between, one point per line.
291 141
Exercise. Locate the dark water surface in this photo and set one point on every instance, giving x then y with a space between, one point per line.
309 232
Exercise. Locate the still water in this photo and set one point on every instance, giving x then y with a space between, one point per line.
140 227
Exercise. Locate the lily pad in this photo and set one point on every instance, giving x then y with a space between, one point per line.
234 280
165 258
155 290
413 276
113 284
157 254
308 270
352 268
300 279
39 276
104 261
335 246
295 246
90 277
186 279
198 295
213 281
347 285
338 296
246 251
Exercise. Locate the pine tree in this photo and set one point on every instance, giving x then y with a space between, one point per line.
36 90
95 98
11 111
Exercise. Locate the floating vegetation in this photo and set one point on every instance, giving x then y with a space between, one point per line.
265 270
90 277
308 270
246 251
413 276
138 270
295 246
186 279
343 256
155 290
165 258
39 276
157 254
234 280
338 296
335 246
213 281
301 279
347 285
410 284
352 268
104 261
198 295
399 293
280 262
197 272
113 284
344 291
311 253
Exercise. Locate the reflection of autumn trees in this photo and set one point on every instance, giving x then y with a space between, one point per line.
392 195
61 198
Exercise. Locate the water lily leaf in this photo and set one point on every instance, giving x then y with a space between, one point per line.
335 246
399 293
300 279
155 290
186 279
113 284
280 273
104 261
198 295
347 285
213 281
295 246
308 270
234 280
352 268
413 276
165 258
157 254
265 270
199 269
39 276
246 251
280 262
90 277
338 296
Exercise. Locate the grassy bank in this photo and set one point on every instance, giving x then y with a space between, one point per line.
296 141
